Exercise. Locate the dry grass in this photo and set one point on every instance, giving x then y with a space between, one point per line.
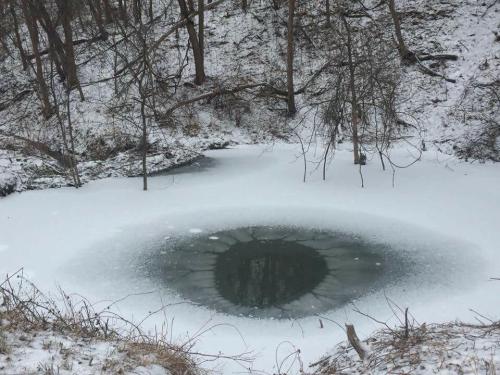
25 309
176 361
453 347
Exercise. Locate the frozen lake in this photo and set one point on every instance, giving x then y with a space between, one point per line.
432 246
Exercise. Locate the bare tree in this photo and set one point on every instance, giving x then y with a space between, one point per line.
95 10
70 63
195 44
404 52
17 35
289 59
201 31
43 91
363 87
355 116
108 11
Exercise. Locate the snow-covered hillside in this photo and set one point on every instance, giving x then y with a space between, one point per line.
245 48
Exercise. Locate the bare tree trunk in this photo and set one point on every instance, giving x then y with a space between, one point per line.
244 5
143 95
70 63
354 101
43 91
68 157
144 146
137 11
289 59
355 341
151 10
56 46
122 6
327 11
72 140
108 11
19 43
195 45
404 52
95 9
201 31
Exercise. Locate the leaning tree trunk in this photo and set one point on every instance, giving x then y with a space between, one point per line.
289 60
404 52
195 45
18 40
56 46
43 91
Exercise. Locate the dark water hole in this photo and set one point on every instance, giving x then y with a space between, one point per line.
274 272
266 273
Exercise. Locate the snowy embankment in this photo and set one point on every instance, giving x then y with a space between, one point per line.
441 213
44 352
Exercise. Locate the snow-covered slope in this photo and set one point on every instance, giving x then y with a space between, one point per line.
241 47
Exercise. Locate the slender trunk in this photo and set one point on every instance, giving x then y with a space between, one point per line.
327 11
144 145
67 156
195 45
244 5
404 53
201 31
354 101
43 91
108 11
325 158
137 11
56 46
151 11
122 6
72 77
72 140
18 40
289 65
97 15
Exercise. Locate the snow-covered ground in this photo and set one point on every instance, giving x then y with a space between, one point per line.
442 213
48 353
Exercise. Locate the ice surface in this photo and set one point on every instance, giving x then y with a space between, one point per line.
442 213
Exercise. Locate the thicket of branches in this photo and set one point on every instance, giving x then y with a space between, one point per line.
356 90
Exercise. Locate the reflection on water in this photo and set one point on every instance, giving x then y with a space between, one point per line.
268 272
278 272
